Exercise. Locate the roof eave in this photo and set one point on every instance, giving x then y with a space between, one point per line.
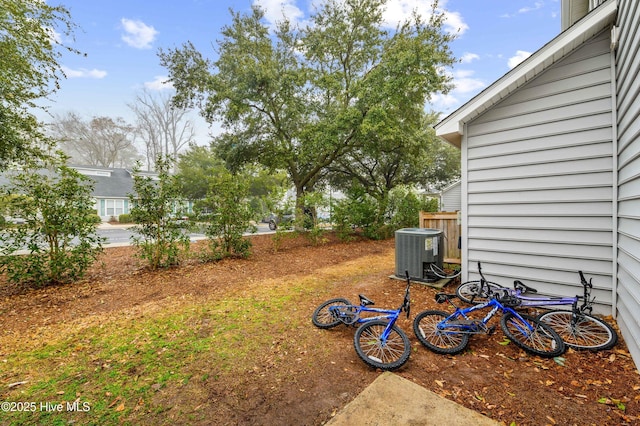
451 128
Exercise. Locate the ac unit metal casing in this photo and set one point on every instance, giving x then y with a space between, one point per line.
416 250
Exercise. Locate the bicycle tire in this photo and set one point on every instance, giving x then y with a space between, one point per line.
439 341
543 341
391 355
322 318
588 333
469 289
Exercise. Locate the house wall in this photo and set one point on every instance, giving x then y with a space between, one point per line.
539 181
628 119
451 198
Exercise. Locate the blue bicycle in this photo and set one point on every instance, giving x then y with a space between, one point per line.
378 341
445 333
578 328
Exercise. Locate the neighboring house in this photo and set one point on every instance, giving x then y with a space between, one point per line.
111 190
450 198
551 165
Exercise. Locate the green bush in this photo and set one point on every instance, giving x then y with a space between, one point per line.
59 233
159 238
228 199
125 218
379 218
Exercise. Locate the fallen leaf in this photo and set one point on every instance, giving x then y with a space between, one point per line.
440 383
114 402
120 407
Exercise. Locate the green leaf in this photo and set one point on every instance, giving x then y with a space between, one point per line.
559 360
505 342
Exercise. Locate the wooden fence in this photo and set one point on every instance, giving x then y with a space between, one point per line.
449 224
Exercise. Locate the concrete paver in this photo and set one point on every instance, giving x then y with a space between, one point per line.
392 400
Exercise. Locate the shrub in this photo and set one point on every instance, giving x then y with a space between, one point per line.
60 228
227 198
160 239
125 218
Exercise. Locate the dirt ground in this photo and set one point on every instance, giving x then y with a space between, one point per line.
310 384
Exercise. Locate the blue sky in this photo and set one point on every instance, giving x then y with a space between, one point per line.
121 41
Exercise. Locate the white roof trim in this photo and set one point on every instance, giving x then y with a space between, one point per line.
451 128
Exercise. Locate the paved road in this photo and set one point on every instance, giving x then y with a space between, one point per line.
121 235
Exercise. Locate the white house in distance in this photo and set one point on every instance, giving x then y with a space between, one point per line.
450 198
551 165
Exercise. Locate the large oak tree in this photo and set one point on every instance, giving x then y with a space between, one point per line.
301 98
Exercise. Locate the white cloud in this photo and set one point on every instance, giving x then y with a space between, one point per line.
137 34
396 11
276 10
84 73
469 57
536 6
465 86
400 10
520 56
465 83
159 83
444 102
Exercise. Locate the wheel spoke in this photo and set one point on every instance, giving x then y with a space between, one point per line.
386 354
581 331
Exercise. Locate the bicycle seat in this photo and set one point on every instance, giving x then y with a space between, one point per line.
365 301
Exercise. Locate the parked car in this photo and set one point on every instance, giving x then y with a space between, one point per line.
274 220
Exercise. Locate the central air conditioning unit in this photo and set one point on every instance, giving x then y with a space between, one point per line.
417 249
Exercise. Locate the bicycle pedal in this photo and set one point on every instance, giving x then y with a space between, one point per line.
491 330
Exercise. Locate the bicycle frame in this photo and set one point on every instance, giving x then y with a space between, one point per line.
522 300
472 326
350 314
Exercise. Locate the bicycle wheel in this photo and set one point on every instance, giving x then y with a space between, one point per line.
586 333
322 317
385 355
467 290
542 341
444 342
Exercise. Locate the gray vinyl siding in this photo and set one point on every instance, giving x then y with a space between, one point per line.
451 198
628 106
540 181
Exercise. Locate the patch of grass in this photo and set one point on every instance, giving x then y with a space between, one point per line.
117 367
127 369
